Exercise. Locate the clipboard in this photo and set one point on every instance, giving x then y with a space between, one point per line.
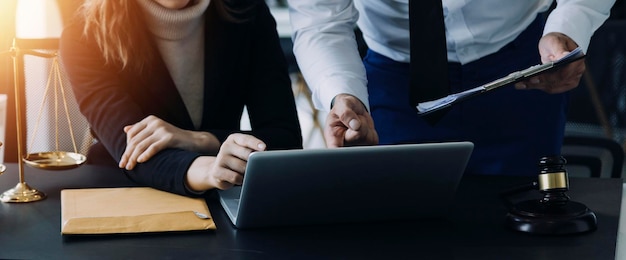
428 107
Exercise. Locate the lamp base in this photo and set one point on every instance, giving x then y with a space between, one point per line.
532 217
22 193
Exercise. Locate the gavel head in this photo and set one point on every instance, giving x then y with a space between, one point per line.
553 181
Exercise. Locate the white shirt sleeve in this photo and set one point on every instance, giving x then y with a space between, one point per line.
326 49
578 19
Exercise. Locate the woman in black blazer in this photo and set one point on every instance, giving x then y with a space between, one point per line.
163 84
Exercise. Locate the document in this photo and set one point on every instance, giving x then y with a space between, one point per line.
427 107
131 210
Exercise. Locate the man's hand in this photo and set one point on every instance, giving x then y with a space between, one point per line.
348 123
554 46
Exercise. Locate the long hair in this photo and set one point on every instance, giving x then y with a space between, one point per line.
118 28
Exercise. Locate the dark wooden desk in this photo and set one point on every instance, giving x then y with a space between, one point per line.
474 231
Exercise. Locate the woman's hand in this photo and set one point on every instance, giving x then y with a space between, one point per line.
151 135
227 168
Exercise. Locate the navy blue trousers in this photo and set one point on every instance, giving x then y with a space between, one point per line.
511 129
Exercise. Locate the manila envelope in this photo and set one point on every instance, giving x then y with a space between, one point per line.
131 210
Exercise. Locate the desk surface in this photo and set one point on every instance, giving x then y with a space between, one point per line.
474 231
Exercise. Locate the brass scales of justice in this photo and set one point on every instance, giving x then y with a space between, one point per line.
52 160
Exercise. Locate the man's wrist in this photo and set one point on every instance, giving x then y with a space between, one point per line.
332 102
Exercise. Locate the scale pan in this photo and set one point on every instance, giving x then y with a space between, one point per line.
55 160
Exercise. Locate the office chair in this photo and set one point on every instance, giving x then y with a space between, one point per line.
311 119
597 105
592 154
52 120
597 114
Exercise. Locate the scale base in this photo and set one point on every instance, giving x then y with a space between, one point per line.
532 217
22 193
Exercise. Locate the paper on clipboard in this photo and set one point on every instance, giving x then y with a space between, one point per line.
427 107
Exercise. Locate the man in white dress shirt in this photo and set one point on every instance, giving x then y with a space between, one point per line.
511 127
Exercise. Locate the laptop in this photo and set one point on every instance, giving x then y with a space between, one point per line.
347 185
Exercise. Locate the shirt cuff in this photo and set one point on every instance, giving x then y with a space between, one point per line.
577 21
330 88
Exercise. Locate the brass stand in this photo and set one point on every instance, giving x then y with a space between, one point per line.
22 192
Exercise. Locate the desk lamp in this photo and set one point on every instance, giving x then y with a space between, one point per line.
554 213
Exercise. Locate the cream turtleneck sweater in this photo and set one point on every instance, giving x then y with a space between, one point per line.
179 35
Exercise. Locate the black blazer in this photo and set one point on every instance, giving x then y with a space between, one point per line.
244 65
